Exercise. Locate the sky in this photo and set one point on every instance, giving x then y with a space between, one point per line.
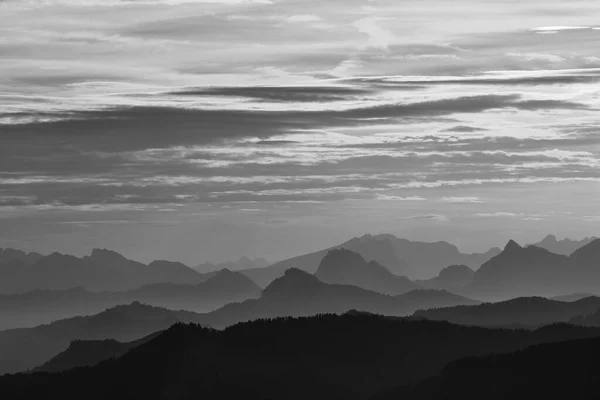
207 130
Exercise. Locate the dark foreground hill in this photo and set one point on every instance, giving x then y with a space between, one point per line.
523 311
325 357
83 353
565 370
22 349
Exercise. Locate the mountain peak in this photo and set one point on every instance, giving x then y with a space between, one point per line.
512 246
106 255
550 238
293 281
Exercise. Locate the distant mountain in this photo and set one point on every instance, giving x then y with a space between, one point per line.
26 348
44 306
102 270
239 265
350 357
523 311
223 288
10 255
563 370
522 271
533 271
84 353
571 297
450 278
400 256
565 246
346 267
299 293
428 259
587 319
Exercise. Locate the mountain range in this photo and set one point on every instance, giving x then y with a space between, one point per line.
345 267
102 270
354 357
519 312
299 293
533 271
400 256
565 246
239 265
26 348
44 306
453 277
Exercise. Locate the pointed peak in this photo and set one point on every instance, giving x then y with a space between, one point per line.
512 246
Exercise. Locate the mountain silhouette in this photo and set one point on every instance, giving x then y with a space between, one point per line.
353 356
44 306
523 311
522 271
299 293
571 297
565 246
222 288
587 319
83 353
26 348
450 278
10 255
102 270
400 256
564 370
239 265
346 267
533 271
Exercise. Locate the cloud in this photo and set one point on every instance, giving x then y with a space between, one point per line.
282 93
385 197
499 214
429 217
453 199
464 129
378 37
300 18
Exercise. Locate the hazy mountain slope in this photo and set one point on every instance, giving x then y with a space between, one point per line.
571 297
45 306
223 288
298 293
345 267
450 278
533 271
565 246
9 255
400 256
83 353
427 259
239 265
523 311
102 270
326 357
522 271
26 348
